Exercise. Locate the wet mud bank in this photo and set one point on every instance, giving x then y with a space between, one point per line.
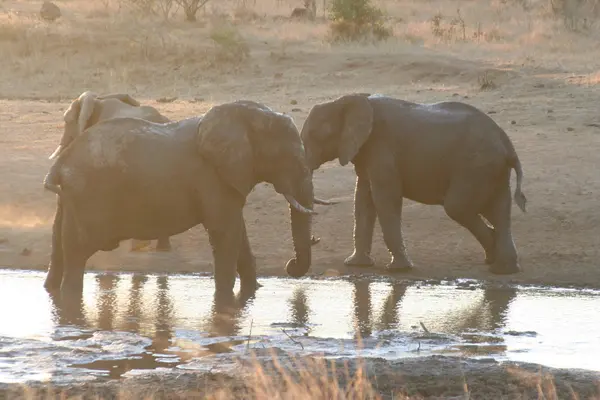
433 377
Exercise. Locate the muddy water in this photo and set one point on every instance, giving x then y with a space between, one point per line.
127 324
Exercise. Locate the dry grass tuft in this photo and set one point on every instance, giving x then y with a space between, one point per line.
285 377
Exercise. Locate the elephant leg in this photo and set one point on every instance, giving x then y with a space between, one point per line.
55 269
464 200
246 264
364 223
75 255
387 197
163 244
226 241
498 213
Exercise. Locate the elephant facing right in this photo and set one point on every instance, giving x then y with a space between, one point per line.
447 153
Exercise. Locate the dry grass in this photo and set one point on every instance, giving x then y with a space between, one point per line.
295 378
111 46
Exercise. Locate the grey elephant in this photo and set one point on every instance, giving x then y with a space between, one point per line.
131 178
447 153
89 109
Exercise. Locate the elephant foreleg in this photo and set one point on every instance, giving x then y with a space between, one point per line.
55 269
364 222
226 241
387 197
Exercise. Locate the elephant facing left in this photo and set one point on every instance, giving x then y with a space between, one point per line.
130 178
89 109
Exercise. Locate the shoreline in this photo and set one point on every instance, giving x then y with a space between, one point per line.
440 377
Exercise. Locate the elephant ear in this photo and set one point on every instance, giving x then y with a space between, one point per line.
76 118
88 102
357 123
224 142
72 113
124 97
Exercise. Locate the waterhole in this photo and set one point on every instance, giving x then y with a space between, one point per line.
130 323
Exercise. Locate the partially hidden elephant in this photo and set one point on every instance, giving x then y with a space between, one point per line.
131 178
89 109
447 153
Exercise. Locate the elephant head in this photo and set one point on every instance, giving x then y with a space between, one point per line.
89 109
337 129
248 143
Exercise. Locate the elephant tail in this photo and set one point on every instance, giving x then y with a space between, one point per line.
515 163
519 196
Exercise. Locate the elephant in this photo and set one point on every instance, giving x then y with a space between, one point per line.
89 109
447 153
131 178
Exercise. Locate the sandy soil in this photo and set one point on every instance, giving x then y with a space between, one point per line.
546 97
435 377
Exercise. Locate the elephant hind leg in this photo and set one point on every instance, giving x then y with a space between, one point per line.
163 244
246 265
463 203
75 256
498 212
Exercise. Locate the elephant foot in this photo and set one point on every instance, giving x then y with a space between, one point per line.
399 265
139 245
359 259
505 268
248 289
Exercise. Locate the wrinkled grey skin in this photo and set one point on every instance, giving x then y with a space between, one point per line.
448 154
89 109
130 178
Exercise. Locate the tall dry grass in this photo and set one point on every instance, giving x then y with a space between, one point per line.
308 378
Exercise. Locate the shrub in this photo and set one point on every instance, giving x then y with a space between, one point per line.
231 47
357 19
191 7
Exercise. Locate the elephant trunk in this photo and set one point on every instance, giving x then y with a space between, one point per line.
301 230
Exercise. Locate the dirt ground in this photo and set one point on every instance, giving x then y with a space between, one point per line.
544 92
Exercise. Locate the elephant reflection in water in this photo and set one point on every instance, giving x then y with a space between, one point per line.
299 309
225 315
134 311
363 308
488 314
107 300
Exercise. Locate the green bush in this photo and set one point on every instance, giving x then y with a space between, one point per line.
356 20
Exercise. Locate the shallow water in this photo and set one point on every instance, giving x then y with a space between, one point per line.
131 323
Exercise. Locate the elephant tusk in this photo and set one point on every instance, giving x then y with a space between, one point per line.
56 152
323 202
294 203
